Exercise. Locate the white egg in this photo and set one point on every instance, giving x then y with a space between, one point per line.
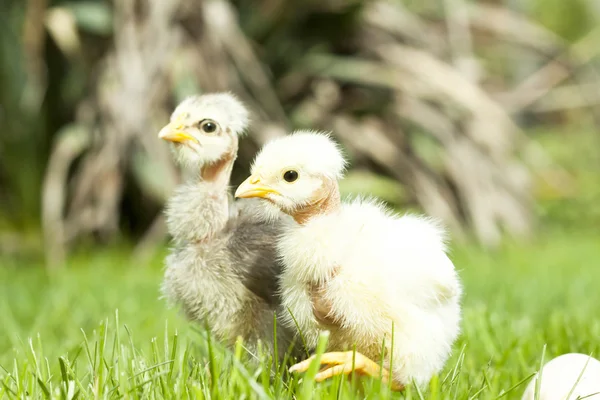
559 377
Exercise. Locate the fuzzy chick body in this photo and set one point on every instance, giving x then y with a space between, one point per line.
222 268
368 276
374 270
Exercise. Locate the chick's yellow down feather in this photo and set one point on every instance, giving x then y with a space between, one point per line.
370 277
222 268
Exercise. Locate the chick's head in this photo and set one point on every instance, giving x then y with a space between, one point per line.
295 171
205 128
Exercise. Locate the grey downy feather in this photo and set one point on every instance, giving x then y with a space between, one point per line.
222 267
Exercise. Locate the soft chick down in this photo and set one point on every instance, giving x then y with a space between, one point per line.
368 276
222 268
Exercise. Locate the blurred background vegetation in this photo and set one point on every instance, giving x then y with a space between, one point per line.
483 113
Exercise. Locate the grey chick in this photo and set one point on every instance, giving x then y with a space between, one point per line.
222 268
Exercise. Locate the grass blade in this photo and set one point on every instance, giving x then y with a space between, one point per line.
578 378
308 384
538 382
43 387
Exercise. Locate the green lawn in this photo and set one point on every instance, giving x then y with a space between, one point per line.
99 328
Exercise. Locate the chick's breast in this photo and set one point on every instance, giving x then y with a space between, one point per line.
309 258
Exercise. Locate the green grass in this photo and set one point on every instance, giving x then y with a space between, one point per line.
98 329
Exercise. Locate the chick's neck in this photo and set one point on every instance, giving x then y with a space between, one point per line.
327 200
219 172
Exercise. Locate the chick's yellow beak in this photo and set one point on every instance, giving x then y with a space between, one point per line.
252 187
176 134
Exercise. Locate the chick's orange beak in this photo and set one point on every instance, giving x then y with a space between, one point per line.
251 187
176 134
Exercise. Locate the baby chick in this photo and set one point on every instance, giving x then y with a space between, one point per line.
222 268
376 280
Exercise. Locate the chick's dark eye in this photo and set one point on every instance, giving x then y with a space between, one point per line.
290 176
208 126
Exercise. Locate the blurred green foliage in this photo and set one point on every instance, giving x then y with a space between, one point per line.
34 108
578 208
21 128
569 19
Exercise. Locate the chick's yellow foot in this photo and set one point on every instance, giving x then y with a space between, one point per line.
343 363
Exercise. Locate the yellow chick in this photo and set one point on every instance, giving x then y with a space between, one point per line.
371 278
